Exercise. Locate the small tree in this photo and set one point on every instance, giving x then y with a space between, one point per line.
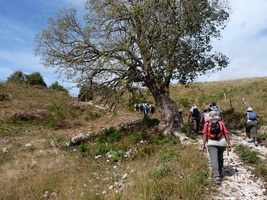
36 79
17 77
56 86
150 42
86 93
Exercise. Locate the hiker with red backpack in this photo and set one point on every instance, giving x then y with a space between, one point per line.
251 125
216 139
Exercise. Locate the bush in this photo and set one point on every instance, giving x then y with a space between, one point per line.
17 77
109 136
36 79
56 86
161 171
137 137
57 114
86 94
84 148
247 155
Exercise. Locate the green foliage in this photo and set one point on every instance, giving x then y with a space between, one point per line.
150 122
116 155
109 135
17 77
86 93
136 137
56 86
35 79
247 155
57 113
185 102
102 149
161 171
161 139
168 155
84 148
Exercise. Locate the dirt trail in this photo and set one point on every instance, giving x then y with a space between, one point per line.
239 182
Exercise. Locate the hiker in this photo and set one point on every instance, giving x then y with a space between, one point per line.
216 138
204 116
194 115
214 107
251 125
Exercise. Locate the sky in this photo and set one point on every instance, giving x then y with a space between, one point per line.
243 40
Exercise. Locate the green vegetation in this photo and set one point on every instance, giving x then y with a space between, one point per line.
252 158
56 86
34 79
247 155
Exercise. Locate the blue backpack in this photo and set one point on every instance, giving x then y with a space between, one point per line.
252 116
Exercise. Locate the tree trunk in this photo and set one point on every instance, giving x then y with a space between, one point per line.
170 117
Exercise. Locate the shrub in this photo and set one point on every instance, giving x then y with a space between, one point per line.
137 137
161 171
116 155
84 148
150 122
109 135
168 155
86 93
56 86
57 114
36 79
247 155
17 77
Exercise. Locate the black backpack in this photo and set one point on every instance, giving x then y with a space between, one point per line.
215 130
196 113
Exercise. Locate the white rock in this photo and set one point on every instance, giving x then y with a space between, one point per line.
104 192
111 187
28 145
5 150
125 176
98 156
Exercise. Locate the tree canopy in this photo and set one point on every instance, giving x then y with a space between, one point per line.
125 42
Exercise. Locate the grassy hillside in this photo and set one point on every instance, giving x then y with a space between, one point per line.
228 95
35 163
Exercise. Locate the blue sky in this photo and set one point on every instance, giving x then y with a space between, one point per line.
244 40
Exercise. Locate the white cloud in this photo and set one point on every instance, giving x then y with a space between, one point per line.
244 41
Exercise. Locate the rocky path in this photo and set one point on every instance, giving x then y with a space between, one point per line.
239 182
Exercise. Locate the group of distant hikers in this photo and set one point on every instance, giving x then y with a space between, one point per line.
216 136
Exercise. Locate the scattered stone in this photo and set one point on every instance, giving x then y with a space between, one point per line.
111 187
28 145
46 195
98 156
124 176
104 192
76 140
38 115
5 150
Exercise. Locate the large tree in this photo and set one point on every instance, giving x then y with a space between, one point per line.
127 42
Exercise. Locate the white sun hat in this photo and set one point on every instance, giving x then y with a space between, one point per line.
250 109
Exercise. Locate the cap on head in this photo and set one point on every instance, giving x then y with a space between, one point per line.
250 109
